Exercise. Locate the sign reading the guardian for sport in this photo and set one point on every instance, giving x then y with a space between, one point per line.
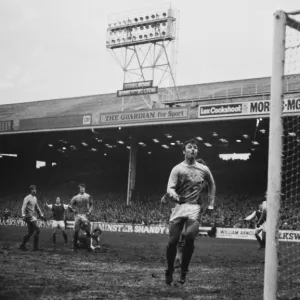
145 116
259 108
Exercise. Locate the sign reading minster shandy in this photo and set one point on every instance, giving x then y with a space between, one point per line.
145 116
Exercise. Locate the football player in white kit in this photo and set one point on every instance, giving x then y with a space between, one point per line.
81 205
184 187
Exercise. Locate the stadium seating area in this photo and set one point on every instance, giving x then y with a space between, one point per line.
229 210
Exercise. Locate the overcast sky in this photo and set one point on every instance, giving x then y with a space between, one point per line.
56 48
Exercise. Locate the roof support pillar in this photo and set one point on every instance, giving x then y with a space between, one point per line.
132 167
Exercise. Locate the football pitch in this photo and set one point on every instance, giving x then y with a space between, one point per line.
130 266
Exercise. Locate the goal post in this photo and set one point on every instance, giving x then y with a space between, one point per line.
283 150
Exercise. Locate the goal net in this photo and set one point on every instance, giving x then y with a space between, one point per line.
282 263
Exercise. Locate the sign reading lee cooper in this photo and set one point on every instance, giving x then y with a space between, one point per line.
261 107
219 110
145 116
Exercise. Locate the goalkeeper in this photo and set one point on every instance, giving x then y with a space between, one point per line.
90 243
262 222
29 208
257 214
184 187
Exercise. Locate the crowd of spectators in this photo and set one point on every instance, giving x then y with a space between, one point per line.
230 210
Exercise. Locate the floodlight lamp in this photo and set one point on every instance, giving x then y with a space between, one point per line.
136 19
164 14
140 36
223 140
207 144
153 16
50 145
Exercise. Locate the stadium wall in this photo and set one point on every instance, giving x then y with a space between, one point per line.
228 233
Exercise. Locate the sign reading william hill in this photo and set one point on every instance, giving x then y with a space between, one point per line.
145 116
261 107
